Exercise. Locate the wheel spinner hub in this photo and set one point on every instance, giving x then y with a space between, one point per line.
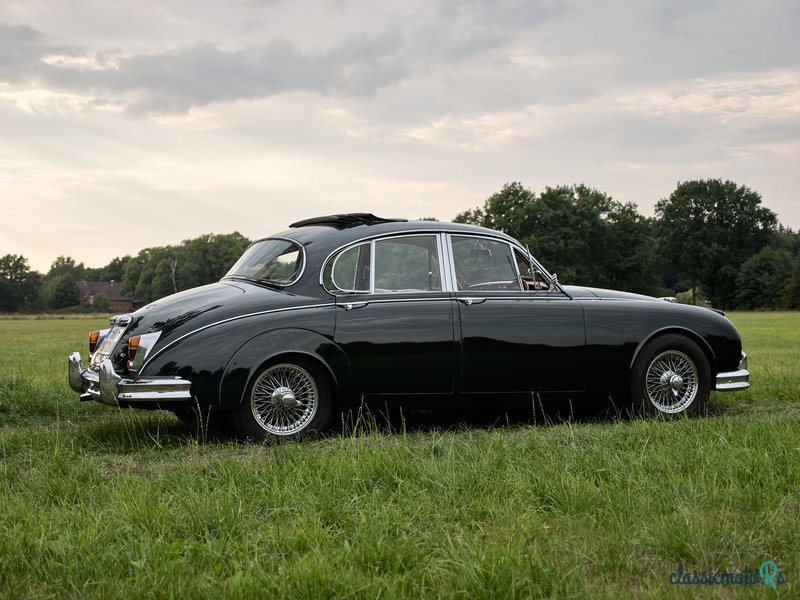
284 396
672 380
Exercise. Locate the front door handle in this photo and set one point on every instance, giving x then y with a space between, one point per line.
471 300
352 305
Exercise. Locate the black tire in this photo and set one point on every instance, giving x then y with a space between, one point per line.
670 377
286 400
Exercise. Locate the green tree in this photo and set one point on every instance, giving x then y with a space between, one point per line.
64 265
762 278
144 279
62 291
101 303
162 270
791 291
207 258
570 233
115 270
509 210
577 231
707 229
20 288
629 256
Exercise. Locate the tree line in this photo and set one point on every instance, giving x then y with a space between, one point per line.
153 273
710 241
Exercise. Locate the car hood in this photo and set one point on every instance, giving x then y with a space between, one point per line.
575 291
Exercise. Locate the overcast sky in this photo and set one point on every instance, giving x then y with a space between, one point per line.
128 124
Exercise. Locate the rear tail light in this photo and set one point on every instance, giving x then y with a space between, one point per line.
94 337
133 348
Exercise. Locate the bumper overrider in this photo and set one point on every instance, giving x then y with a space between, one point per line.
731 381
106 386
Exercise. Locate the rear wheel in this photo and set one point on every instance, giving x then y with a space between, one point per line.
286 400
670 377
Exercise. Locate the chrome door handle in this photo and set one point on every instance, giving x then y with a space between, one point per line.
471 301
352 305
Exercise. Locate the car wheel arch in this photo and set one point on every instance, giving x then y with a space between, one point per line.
705 348
293 357
267 347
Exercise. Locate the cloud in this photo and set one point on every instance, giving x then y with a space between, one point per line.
21 48
175 80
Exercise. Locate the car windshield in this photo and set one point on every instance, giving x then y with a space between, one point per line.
273 261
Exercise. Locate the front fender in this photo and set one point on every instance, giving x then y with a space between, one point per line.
269 345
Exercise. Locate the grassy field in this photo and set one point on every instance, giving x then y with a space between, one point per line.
102 503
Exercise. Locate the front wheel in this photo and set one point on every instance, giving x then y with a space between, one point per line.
286 400
670 377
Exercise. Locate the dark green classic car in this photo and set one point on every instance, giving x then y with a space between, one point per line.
413 314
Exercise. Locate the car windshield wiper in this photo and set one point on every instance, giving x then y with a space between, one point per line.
266 282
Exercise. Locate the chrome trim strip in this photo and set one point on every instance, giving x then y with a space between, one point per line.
554 295
394 300
236 318
447 263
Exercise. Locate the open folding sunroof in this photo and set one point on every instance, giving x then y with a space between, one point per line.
344 221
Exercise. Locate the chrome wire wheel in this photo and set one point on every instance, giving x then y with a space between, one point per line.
284 399
671 382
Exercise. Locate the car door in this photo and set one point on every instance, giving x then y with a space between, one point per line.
514 341
395 318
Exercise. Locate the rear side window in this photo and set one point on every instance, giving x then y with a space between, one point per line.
398 264
349 271
407 264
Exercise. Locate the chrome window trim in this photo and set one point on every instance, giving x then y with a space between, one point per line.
333 268
431 234
449 281
447 264
556 293
372 240
490 238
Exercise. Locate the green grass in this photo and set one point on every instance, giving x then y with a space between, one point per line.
97 502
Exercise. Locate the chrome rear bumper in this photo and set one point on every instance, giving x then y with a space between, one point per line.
104 385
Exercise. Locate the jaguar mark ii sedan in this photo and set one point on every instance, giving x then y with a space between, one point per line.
353 308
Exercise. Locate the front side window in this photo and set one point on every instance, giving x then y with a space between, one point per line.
271 261
484 264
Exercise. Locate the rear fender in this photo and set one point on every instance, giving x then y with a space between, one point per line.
272 344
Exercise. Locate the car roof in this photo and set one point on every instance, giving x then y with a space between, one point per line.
327 233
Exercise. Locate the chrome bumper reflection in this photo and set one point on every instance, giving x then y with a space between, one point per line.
734 380
107 387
